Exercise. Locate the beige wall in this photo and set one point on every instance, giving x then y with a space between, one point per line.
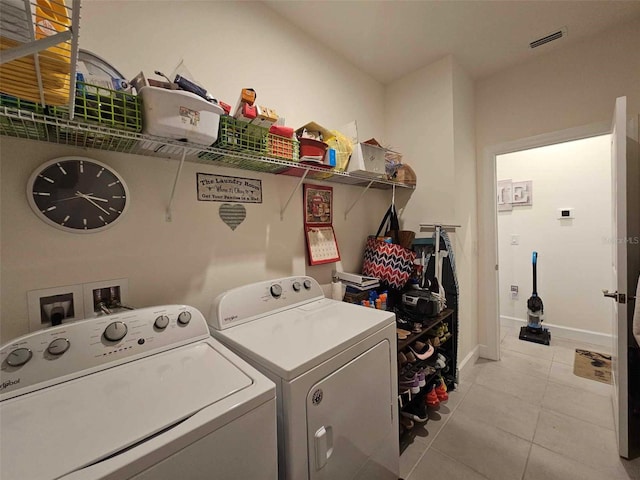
466 214
574 256
567 88
430 120
195 257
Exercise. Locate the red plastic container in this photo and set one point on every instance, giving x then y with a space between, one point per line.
312 148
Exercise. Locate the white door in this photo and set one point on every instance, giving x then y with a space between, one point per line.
626 263
350 423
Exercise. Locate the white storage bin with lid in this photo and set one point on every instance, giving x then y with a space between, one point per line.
179 115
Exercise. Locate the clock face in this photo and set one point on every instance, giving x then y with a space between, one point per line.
77 194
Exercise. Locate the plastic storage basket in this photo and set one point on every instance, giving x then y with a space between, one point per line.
282 148
238 136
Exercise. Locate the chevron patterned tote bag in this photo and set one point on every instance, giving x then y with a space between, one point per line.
389 262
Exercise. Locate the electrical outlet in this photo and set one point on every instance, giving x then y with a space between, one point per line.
105 296
52 306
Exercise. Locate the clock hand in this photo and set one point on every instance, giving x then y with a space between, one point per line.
77 195
86 197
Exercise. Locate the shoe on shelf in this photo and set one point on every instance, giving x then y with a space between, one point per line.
441 391
422 350
421 377
404 397
431 399
438 332
402 359
441 362
416 411
435 341
417 327
402 333
406 422
411 358
410 384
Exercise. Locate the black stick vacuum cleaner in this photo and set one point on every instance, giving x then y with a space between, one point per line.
533 331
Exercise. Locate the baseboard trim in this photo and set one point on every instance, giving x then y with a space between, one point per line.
469 360
576 334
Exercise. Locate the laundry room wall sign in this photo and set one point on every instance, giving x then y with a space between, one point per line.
222 188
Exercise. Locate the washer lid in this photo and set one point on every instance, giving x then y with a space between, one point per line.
54 431
293 341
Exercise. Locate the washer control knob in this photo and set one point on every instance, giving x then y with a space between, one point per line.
58 346
161 322
276 290
307 284
184 318
296 286
19 357
115 331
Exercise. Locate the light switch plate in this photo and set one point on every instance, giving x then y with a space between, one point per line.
515 239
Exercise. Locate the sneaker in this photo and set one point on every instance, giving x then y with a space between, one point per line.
406 422
410 384
422 379
431 399
441 362
404 397
441 391
417 411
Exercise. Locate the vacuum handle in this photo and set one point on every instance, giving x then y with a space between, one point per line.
534 260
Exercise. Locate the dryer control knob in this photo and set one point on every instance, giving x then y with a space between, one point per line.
296 286
276 290
184 318
115 331
161 322
19 357
307 284
58 346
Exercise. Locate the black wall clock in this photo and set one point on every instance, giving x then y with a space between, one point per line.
77 194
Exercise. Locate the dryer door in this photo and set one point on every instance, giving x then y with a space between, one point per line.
350 421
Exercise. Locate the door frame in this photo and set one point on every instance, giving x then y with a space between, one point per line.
490 308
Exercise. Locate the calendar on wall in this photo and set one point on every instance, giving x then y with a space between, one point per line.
322 245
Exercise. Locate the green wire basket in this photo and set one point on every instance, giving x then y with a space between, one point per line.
23 128
109 108
238 136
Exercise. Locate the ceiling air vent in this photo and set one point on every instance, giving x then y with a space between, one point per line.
549 38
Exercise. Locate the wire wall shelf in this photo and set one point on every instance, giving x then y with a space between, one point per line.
42 127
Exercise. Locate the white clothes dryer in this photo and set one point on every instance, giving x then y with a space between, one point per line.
143 394
334 365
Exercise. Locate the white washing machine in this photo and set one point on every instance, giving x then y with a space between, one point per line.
334 365
144 394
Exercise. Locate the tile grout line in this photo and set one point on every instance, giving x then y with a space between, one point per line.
461 463
441 428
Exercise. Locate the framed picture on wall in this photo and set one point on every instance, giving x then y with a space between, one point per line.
318 205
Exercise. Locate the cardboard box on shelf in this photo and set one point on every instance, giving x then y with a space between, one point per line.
313 131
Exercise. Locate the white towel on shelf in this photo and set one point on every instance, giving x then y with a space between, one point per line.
636 315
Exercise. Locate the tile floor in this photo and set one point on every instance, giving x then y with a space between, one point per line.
526 417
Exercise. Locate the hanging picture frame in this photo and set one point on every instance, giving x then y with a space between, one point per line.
322 245
318 205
